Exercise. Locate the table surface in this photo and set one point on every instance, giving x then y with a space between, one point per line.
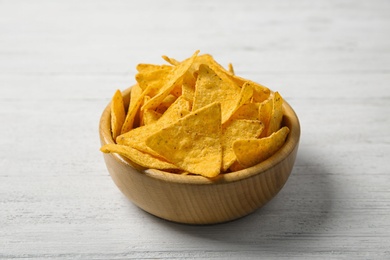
61 61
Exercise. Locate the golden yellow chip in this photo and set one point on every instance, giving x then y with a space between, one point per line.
172 80
136 137
140 158
231 69
151 77
245 95
188 92
250 152
211 88
208 60
247 111
188 87
145 68
117 114
136 99
260 92
265 114
140 113
193 143
177 110
277 114
219 69
170 60
234 130
165 104
150 116
177 90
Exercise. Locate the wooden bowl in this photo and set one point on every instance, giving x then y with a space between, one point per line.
194 199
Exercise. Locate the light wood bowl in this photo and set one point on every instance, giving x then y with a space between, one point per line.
195 199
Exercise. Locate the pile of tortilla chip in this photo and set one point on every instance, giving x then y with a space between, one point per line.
195 117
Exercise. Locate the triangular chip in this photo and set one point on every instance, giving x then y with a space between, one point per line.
210 88
247 111
265 114
171 82
189 144
234 130
151 77
277 114
177 89
217 68
117 114
145 67
150 116
260 92
231 69
136 99
250 152
246 94
165 104
136 137
140 158
170 60
188 87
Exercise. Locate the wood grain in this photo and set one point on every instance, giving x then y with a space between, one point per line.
60 62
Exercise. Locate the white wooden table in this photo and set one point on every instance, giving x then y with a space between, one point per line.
61 61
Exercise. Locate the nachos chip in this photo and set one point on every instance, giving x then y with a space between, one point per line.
136 98
235 130
170 82
210 88
190 145
136 137
143 159
194 117
250 152
117 114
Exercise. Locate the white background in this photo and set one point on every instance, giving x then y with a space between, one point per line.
61 61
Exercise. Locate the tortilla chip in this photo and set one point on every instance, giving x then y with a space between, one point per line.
277 114
235 130
136 99
265 114
188 87
165 104
140 158
231 69
171 61
136 137
189 144
217 68
172 80
117 114
260 92
150 116
211 88
247 111
151 77
250 152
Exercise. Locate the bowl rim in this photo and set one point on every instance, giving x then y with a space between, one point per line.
289 118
